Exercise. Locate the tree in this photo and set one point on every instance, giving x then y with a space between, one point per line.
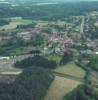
4 22
93 64
37 39
82 92
66 57
38 61
32 84
3 52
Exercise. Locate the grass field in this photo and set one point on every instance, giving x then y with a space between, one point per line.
96 24
21 50
14 22
6 67
54 57
71 69
60 87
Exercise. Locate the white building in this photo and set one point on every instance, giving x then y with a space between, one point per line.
97 53
4 58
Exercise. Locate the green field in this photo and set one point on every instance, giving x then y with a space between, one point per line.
54 57
20 50
14 22
71 69
60 87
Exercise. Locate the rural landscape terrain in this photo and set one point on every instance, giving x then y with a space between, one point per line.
48 50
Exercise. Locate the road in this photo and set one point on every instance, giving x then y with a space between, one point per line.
12 76
82 25
7 68
7 65
68 76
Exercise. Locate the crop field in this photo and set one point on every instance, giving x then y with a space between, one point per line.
60 87
71 69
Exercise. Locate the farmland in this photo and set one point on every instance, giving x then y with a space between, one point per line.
60 87
71 69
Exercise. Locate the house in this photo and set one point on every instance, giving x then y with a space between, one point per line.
4 58
96 53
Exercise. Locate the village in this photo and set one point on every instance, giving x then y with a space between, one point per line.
62 36
48 50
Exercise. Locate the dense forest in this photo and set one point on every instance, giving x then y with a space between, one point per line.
28 85
54 11
38 61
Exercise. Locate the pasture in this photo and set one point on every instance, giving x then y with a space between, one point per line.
71 69
55 57
14 22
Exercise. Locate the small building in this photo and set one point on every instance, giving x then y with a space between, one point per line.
96 53
4 58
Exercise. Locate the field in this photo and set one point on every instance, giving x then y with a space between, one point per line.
54 57
71 69
96 24
60 87
21 50
14 22
6 66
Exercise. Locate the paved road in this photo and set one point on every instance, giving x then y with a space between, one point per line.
82 25
6 66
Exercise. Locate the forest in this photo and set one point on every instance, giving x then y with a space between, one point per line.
46 12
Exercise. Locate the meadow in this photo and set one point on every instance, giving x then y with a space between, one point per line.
14 22
71 69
